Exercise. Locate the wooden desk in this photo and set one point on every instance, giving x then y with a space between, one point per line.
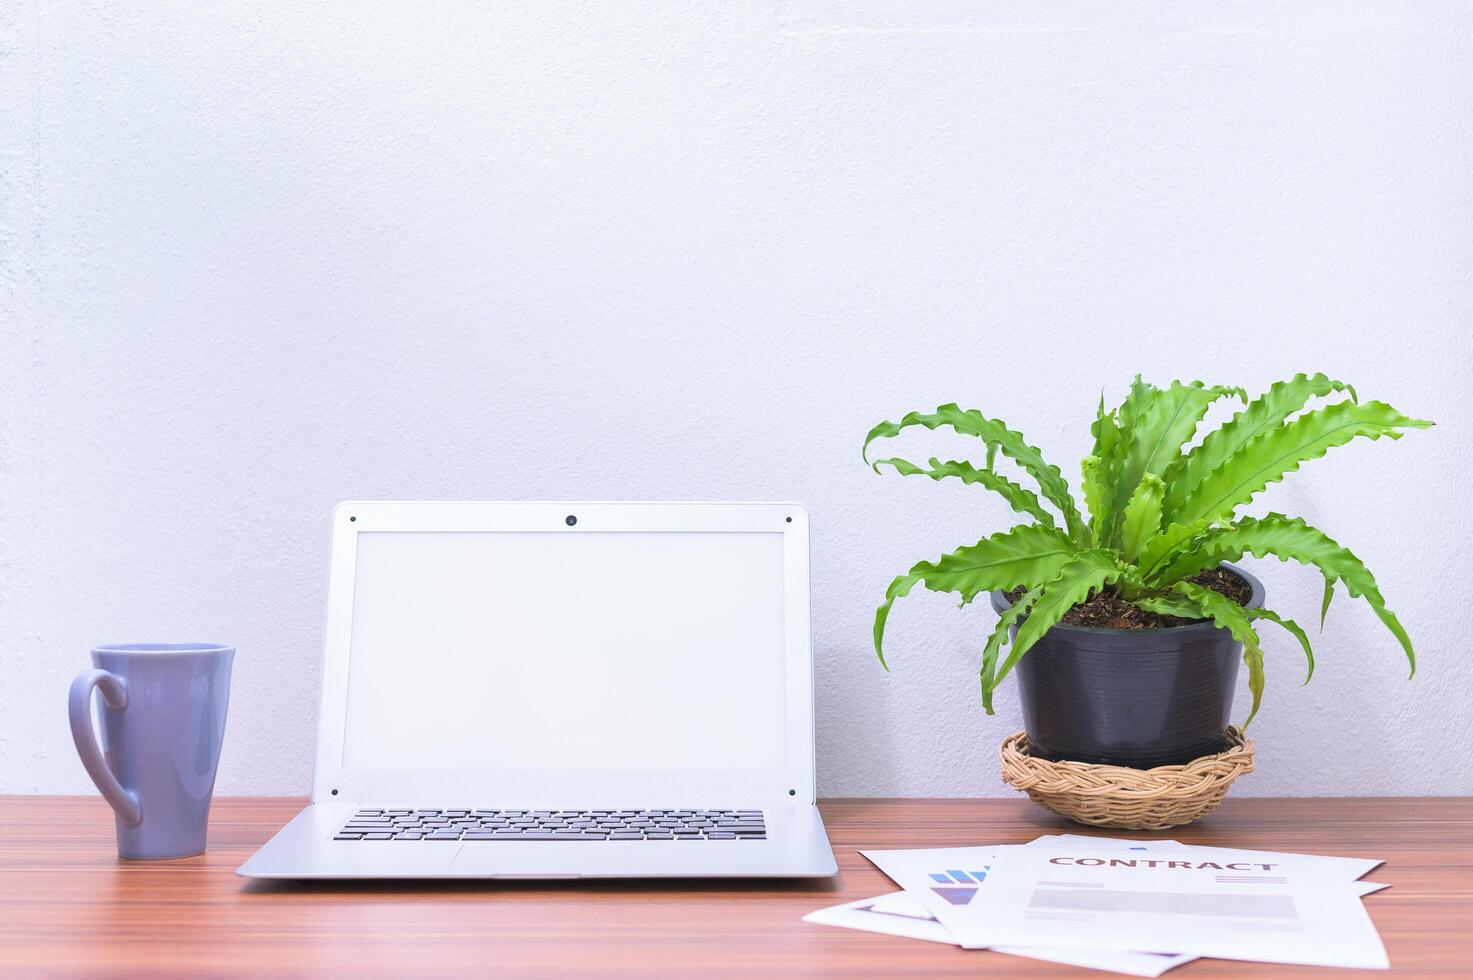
70 907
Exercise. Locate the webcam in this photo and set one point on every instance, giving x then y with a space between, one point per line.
571 520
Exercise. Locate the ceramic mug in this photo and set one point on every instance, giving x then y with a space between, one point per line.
163 721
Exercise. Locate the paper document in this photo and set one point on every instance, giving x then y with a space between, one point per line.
898 914
1248 905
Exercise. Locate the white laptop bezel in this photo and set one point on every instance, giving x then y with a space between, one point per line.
795 782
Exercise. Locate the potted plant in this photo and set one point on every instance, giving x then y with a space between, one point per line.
1126 627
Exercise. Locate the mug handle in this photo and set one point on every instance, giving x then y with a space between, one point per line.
79 704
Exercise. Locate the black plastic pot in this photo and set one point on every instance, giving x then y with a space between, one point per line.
1138 698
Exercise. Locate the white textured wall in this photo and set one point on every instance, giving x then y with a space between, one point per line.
255 261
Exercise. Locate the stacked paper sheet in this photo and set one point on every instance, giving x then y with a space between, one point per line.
1136 907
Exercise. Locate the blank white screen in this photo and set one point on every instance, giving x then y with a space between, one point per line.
613 651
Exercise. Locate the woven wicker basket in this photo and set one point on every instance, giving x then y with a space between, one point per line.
1130 799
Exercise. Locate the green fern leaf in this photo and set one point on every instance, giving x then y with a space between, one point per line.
1233 618
1170 605
1164 421
1012 445
1265 412
1288 539
1028 554
1280 451
1096 494
1142 516
1098 485
1184 608
1085 573
1294 629
1017 497
1128 423
1164 543
995 640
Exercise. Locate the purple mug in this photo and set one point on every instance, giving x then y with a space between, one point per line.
163 721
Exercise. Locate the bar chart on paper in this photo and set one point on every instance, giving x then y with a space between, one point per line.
957 887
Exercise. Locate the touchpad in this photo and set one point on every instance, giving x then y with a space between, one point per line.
550 859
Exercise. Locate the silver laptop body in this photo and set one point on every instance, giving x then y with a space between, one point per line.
562 690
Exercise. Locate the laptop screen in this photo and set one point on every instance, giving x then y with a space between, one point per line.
525 651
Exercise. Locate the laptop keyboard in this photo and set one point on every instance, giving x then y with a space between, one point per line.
560 825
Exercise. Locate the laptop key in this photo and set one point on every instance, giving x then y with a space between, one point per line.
377 837
721 835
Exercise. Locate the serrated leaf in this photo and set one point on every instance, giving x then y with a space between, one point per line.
971 422
1162 423
1087 572
1232 617
995 640
1288 539
1279 451
1097 474
1096 494
1170 605
1128 420
1020 499
1164 543
1026 555
1294 629
1265 412
1142 516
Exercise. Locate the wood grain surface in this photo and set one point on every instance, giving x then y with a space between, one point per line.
70 907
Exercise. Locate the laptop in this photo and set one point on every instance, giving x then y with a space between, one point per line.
562 690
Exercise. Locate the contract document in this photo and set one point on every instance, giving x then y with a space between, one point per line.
942 883
1244 905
